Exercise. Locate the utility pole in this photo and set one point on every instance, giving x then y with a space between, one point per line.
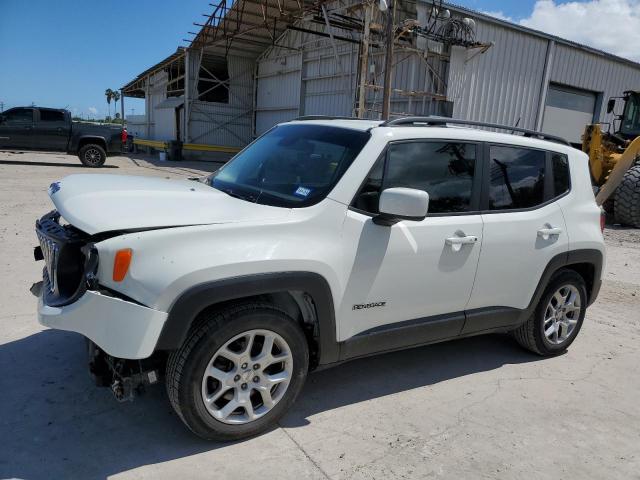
1 107
388 61
364 61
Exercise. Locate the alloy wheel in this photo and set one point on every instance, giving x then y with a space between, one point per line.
92 156
247 377
562 314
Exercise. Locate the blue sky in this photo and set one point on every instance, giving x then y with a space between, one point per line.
65 53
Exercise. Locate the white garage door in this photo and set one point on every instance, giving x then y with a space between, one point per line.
567 112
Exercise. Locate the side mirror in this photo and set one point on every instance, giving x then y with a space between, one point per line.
401 204
611 104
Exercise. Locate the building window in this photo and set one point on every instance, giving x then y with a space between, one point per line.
213 82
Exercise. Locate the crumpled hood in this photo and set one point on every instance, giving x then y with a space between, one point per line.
97 203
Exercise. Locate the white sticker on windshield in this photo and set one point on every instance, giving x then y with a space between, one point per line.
302 192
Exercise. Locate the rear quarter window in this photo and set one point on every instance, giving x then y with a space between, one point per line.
561 177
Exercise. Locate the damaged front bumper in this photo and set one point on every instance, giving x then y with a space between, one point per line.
121 328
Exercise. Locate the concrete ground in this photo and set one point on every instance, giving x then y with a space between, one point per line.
473 408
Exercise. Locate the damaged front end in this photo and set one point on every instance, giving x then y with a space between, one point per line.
125 378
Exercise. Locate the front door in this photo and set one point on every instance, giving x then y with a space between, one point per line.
524 229
414 271
16 129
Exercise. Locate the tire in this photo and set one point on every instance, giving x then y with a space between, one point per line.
208 344
92 155
531 334
627 203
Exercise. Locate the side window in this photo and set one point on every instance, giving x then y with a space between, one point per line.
19 115
444 170
51 116
561 179
516 178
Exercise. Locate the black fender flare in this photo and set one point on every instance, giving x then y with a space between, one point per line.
195 299
76 141
589 256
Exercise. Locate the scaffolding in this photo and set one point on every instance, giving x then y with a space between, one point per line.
422 37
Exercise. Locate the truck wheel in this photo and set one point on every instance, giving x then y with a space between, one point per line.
92 155
238 371
557 319
627 203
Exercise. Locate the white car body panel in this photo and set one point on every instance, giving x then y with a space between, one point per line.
105 203
122 329
409 266
514 256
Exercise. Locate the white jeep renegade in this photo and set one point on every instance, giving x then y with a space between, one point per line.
322 241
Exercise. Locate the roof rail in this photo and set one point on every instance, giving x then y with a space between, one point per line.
433 121
324 117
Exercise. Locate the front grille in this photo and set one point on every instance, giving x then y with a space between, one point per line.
50 251
63 254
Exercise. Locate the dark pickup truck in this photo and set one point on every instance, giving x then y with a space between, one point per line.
49 129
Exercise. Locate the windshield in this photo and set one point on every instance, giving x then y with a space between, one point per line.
292 165
631 117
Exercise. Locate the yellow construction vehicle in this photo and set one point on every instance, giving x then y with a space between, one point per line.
614 160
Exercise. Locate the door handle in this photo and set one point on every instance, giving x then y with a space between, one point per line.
456 243
546 233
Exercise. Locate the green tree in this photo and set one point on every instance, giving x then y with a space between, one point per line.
115 94
109 94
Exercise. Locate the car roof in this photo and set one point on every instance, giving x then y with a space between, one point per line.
407 132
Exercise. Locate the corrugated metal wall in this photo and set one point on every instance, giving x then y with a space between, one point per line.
311 81
226 124
305 82
502 85
596 73
506 83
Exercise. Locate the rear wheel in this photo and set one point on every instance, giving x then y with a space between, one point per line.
557 319
627 203
92 155
238 372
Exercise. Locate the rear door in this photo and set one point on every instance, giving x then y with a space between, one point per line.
51 130
524 229
16 130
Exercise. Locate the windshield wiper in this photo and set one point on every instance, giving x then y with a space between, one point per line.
231 193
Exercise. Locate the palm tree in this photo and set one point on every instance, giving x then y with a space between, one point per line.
116 96
109 94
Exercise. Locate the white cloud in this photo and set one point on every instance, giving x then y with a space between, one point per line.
609 25
93 110
499 14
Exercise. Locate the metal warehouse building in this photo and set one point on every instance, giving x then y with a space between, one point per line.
255 63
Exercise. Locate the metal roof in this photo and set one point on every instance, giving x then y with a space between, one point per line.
135 87
537 33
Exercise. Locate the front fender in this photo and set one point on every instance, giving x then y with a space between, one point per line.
190 303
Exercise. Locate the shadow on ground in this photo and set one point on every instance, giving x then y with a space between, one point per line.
56 424
27 163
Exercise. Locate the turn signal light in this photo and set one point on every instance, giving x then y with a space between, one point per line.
121 264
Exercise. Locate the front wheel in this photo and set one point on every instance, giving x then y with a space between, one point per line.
92 155
558 317
238 372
